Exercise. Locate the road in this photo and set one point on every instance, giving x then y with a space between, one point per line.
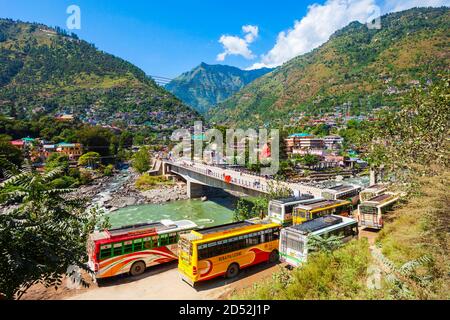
163 282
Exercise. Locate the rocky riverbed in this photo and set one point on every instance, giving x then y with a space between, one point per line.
119 191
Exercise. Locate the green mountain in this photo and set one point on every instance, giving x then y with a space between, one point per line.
45 70
358 68
207 85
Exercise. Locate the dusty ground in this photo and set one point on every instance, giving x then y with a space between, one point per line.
370 234
158 283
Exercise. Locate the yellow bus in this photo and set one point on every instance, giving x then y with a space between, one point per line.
226 249
312 209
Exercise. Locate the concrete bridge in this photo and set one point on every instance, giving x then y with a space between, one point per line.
204 180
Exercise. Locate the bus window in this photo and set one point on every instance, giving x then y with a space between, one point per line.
128 247
117 251
173 238
273 208
288 209
155 241
105 252
294 244
148 243
137 245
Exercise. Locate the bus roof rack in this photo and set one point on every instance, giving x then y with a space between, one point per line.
139 228
293 199
225 227
317 224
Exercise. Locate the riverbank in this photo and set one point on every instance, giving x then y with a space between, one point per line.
119 191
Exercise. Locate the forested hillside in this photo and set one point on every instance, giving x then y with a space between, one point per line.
45 70
360 67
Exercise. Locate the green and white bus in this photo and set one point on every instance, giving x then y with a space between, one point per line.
281 210
294 240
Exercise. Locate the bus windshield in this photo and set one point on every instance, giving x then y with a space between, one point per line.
273 208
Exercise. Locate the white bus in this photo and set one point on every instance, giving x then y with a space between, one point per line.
370 212
372 191
280 210
294 240
342 192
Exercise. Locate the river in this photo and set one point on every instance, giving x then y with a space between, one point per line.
203 213
213 212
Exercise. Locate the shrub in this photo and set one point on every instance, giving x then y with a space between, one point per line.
63 182
108 170
146 182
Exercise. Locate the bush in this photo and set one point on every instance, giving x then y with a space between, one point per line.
64 182
108 170
146 182
141 160
85 177
91 159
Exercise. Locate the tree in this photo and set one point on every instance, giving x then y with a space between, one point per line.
141 160
413 141
57 160
91 159
11 153
41 234
324 244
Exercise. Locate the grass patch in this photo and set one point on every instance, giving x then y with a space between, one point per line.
421 228
147 182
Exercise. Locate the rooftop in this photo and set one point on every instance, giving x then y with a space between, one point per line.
225 227
319 203
293 199
317 224
297 135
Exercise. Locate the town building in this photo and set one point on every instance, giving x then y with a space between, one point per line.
72 150
20 144
333 142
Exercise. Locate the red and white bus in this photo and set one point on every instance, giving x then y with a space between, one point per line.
131 249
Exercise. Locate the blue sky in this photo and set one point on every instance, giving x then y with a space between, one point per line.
166 38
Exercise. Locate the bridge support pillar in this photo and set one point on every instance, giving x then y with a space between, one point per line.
194 190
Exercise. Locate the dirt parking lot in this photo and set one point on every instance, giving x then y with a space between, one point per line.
157 283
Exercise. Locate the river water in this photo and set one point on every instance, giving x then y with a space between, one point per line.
213 212
203 213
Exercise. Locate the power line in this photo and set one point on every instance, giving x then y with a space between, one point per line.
160 80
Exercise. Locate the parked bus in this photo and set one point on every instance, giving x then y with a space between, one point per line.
370 212
294 240
342 192
372 192
226 249
280 210
316 208
131 249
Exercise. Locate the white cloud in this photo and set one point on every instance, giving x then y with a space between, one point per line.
321 21
399 5
315 28
234 45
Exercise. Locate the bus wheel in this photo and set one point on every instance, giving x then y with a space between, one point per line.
137 268
232 271
274 256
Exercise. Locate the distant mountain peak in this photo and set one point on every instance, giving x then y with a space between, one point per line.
209 84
